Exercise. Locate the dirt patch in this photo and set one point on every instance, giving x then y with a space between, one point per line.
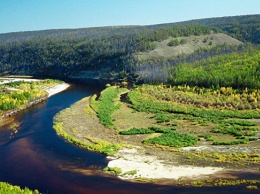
126 118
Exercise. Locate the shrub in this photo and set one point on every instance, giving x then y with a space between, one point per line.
239 122
131 172
114 170
135 131
174 42
206 136
173 139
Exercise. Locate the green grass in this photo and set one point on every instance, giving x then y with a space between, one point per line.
168 137
239 122
240 129
106 105
241 141
169 107
135 131
147 103
174 139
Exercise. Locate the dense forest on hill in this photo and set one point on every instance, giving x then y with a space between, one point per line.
244 28
109 51
235 66
63 54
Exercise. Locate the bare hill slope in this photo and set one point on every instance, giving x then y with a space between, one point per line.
192 44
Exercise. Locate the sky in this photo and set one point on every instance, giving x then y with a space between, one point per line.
30 15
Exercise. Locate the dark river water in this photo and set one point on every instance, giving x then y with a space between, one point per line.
37 158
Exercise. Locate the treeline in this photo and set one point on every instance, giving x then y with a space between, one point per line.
244 28
63 55
160 71
237 70
214 68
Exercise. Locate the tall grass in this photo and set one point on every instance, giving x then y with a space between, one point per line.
107 104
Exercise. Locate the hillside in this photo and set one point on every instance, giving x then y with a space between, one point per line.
193 43
244 28
110 52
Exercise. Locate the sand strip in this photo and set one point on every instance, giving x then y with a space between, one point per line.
152 168
51 91
57 89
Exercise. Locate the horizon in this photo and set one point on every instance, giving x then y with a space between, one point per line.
24 16
122 25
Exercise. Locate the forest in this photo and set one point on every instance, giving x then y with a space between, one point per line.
238 69
66 53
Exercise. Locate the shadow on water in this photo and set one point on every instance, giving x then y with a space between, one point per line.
37 158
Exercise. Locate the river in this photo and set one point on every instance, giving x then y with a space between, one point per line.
37 158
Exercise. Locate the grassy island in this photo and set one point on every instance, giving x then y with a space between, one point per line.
159 120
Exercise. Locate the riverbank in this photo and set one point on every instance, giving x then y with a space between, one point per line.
51 90
57 89
150 167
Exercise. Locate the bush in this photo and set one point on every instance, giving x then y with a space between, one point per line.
173 139
242 141
174 42
240 122
206 136
135 131
114 170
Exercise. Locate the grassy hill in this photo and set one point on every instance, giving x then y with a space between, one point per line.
245 28
193 43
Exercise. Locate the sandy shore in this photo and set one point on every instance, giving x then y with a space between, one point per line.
57 89
4 80
51 91
149 167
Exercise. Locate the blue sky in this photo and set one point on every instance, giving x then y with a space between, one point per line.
28 15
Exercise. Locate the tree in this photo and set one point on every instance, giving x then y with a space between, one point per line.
174 42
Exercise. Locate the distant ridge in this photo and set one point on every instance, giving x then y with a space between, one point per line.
227 24
117 53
